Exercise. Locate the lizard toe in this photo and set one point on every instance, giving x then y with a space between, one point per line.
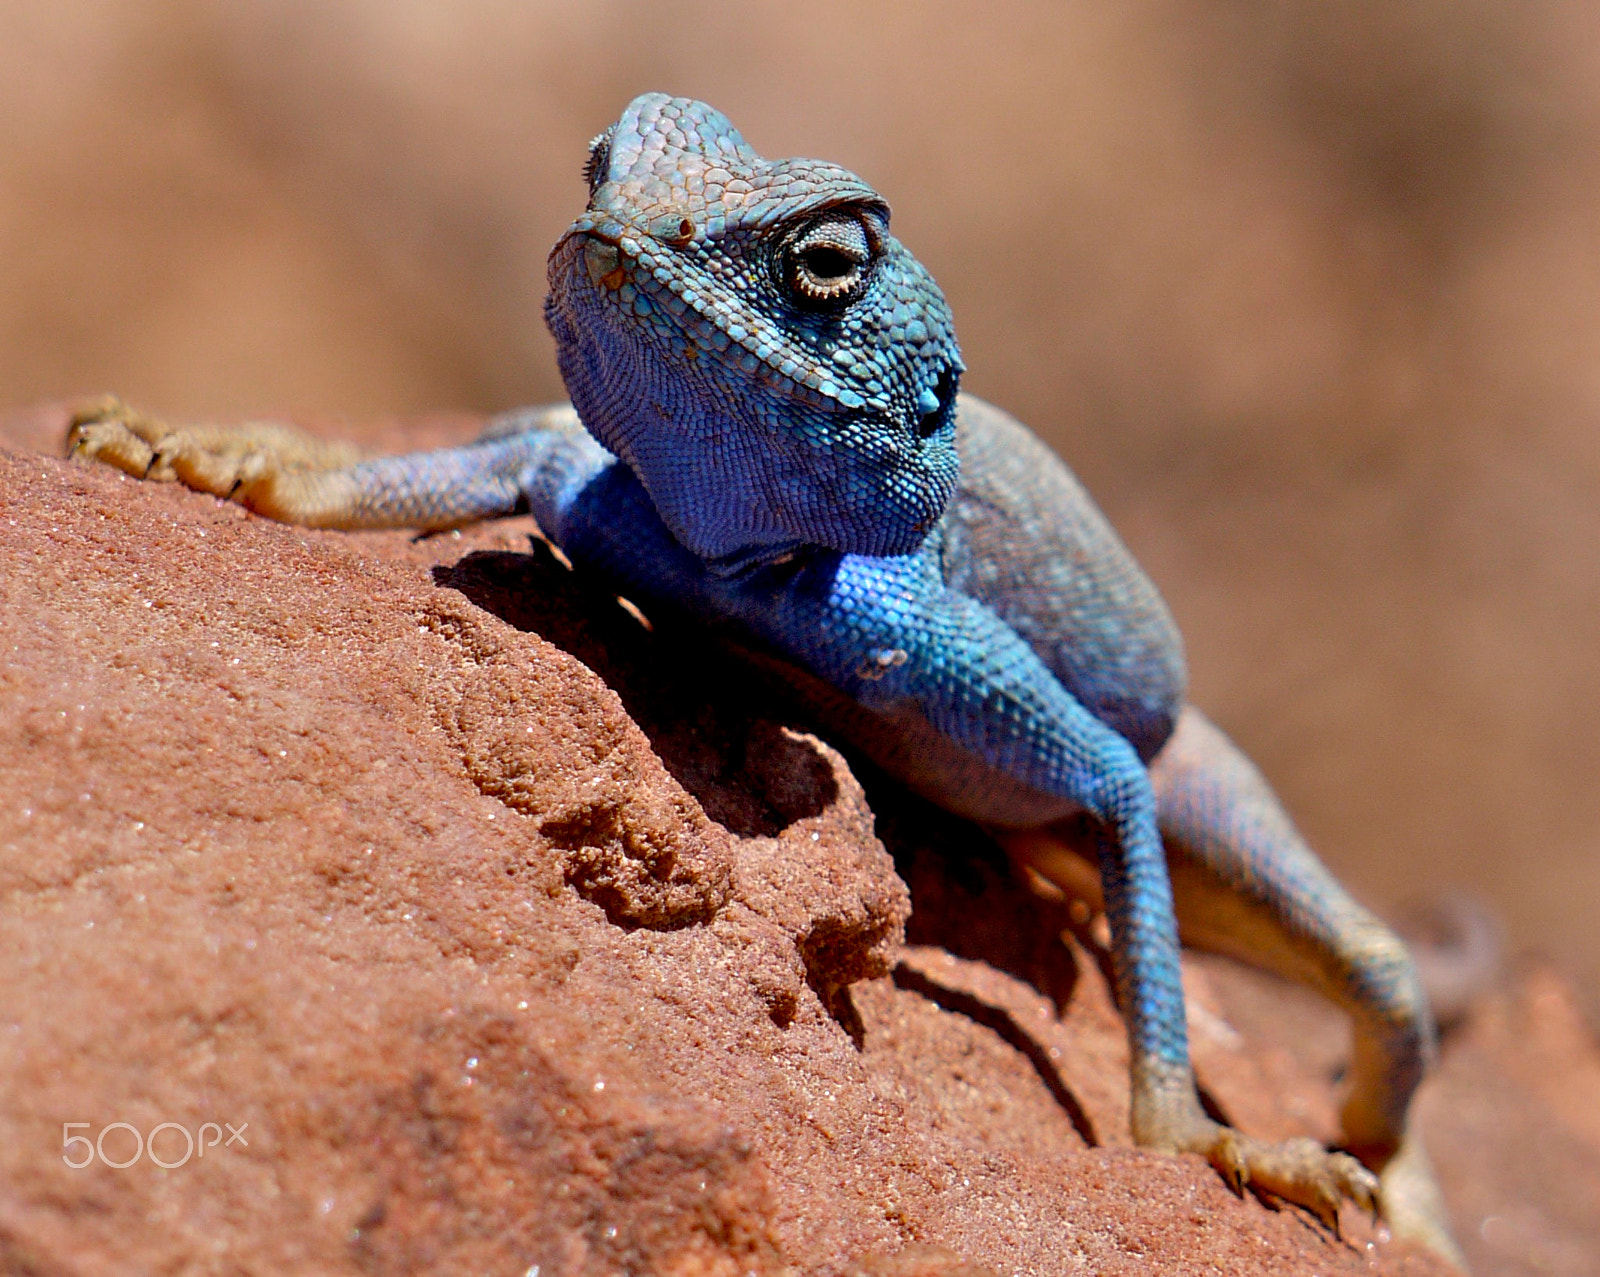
112 443
109 431
208 470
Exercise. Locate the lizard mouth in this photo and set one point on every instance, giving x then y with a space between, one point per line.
602 262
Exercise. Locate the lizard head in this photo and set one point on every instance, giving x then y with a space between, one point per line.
751 340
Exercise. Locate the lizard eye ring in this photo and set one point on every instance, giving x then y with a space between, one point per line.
827 262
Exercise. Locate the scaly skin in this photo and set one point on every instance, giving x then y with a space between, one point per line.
766 432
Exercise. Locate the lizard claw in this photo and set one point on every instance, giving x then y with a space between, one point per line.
1227 1157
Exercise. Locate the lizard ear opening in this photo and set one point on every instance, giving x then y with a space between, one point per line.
939 404
598 161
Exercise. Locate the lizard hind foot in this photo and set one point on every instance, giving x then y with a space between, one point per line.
1413 1207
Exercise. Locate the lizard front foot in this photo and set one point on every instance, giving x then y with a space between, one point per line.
265 466
1299 1171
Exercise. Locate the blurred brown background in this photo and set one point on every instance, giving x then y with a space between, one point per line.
1305 292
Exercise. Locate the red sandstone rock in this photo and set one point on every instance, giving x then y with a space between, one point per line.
512 934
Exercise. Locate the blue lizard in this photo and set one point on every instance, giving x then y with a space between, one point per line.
766 431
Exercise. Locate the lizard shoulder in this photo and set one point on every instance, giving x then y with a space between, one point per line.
1023 537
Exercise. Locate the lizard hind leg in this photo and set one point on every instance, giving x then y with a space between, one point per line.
1246 884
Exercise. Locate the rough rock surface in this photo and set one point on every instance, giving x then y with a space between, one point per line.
515 934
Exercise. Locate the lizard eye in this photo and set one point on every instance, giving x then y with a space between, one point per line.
827 262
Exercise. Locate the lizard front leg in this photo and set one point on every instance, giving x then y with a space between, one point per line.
285 474
987 692
933 665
